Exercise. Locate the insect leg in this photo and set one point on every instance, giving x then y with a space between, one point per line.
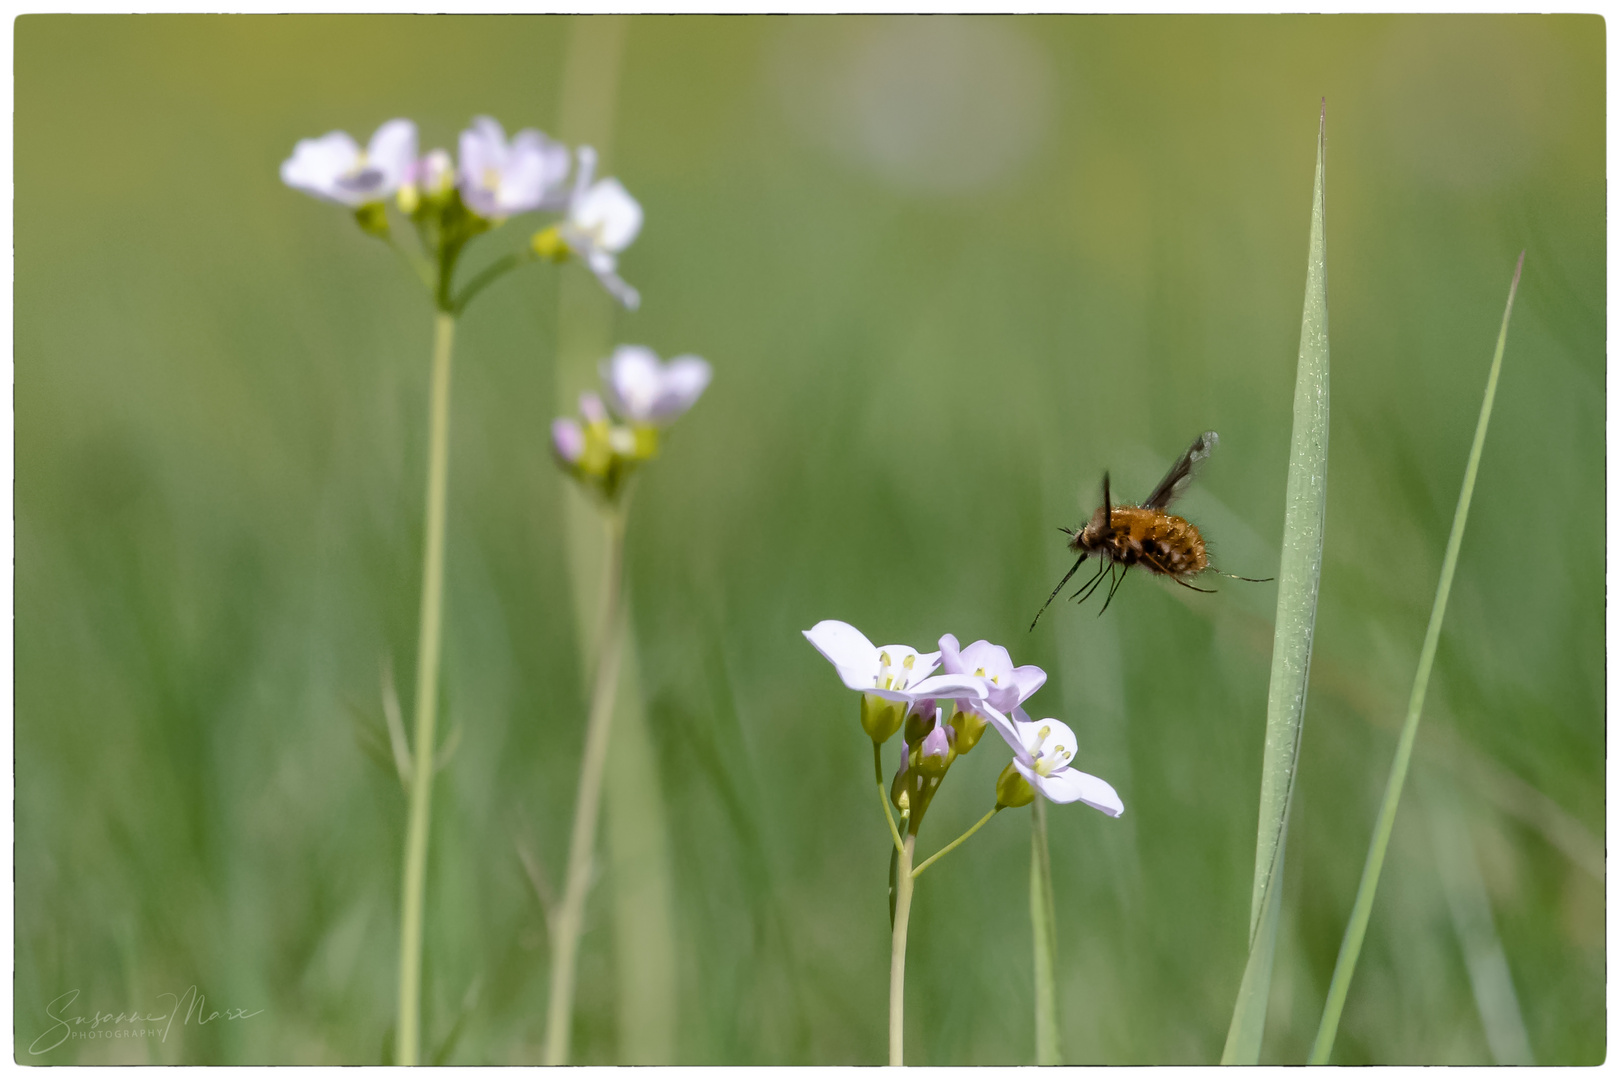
1114 588
1108 505
1184 585
1237 577
1083 593
1059 588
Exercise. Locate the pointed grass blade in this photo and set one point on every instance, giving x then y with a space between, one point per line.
1350 948
1298 579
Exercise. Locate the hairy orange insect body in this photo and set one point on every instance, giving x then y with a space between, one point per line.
1140 535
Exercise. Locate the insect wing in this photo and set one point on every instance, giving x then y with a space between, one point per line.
1175 481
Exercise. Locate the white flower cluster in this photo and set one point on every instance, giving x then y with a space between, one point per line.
643 397
496 178
900 690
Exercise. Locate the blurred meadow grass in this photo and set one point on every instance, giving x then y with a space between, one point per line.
947 271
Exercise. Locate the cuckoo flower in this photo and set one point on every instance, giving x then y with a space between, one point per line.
1010 686
335 168
891 678
646 393
602 220
1042 751
499 179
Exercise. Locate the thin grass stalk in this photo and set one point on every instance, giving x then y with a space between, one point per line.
635 838
1299 579
1043 921
570 913
1350 948
408 1031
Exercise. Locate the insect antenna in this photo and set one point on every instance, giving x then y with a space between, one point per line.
1113 588
1059 588
1091 586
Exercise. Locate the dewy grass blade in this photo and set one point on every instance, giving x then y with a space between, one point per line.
1298 579
1350 948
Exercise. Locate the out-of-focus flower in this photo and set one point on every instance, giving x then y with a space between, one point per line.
335 168
643 391
1042 751
499 179
603 218
431 177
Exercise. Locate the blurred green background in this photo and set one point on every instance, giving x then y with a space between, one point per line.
947 272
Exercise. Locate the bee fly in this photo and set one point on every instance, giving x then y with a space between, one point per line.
1148 536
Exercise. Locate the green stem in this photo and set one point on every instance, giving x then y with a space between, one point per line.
950 847
1350 949
491 274
883 795
1043 919
570 913
427 696
904 883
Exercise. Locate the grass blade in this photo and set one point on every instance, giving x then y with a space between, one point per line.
1350 947
1299 577
1470 904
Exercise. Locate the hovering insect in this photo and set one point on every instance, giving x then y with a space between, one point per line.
1148 536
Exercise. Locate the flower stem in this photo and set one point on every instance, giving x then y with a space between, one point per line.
904 883
883 795
427 697
948 848
1048 1049
565 927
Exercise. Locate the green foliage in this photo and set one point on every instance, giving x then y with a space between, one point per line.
1345 967
1299 582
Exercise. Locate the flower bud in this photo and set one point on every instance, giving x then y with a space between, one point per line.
920 721
968 726
900 789
880 717
409 198
935 754
549 244
372 219
568 440
1012 789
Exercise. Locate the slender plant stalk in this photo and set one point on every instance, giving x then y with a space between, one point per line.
1350 948
1299 579
570 913
904 884
883 797
952 846
1043 921
408 1032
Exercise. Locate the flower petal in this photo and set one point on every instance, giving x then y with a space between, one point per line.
951 654
316 166
633 381
849 650
1072 785
392 151
685 379
949 686
1006 727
